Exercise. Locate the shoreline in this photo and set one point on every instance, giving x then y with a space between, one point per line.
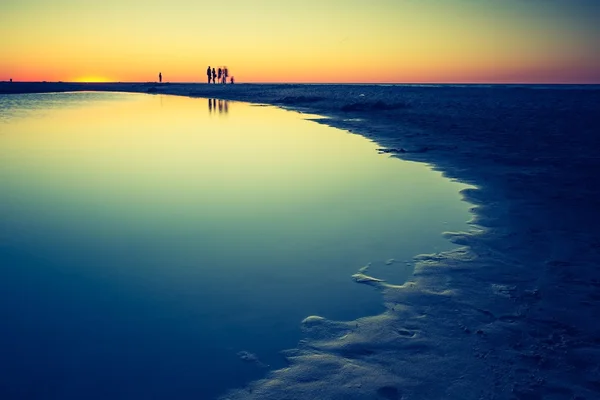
509 315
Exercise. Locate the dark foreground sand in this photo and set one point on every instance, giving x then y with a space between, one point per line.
511 315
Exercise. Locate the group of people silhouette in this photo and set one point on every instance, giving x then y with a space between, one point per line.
222 73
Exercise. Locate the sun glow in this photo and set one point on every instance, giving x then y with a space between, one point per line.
92 79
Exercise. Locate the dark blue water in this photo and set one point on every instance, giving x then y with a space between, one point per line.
145 241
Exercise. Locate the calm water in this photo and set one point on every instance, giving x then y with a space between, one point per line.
146 240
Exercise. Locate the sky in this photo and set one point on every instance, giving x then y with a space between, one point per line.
351 41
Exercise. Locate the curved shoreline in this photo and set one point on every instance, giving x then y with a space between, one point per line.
511 314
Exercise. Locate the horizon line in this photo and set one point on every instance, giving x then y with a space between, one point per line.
311 83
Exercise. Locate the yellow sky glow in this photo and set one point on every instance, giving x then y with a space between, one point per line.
91 79
303 41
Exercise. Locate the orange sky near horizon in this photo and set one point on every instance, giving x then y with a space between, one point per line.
351 41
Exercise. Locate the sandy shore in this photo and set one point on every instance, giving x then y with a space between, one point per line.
512 314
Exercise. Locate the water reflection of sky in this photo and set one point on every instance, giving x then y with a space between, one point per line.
146 243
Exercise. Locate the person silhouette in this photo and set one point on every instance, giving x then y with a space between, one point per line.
160 77
214 73
220 73
225 74
208 73
232 80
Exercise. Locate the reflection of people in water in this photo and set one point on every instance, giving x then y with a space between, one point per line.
221 105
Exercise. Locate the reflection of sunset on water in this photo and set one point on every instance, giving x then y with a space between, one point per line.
156 233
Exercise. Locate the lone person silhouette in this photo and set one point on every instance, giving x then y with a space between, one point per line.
214 75
208 73
160 77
